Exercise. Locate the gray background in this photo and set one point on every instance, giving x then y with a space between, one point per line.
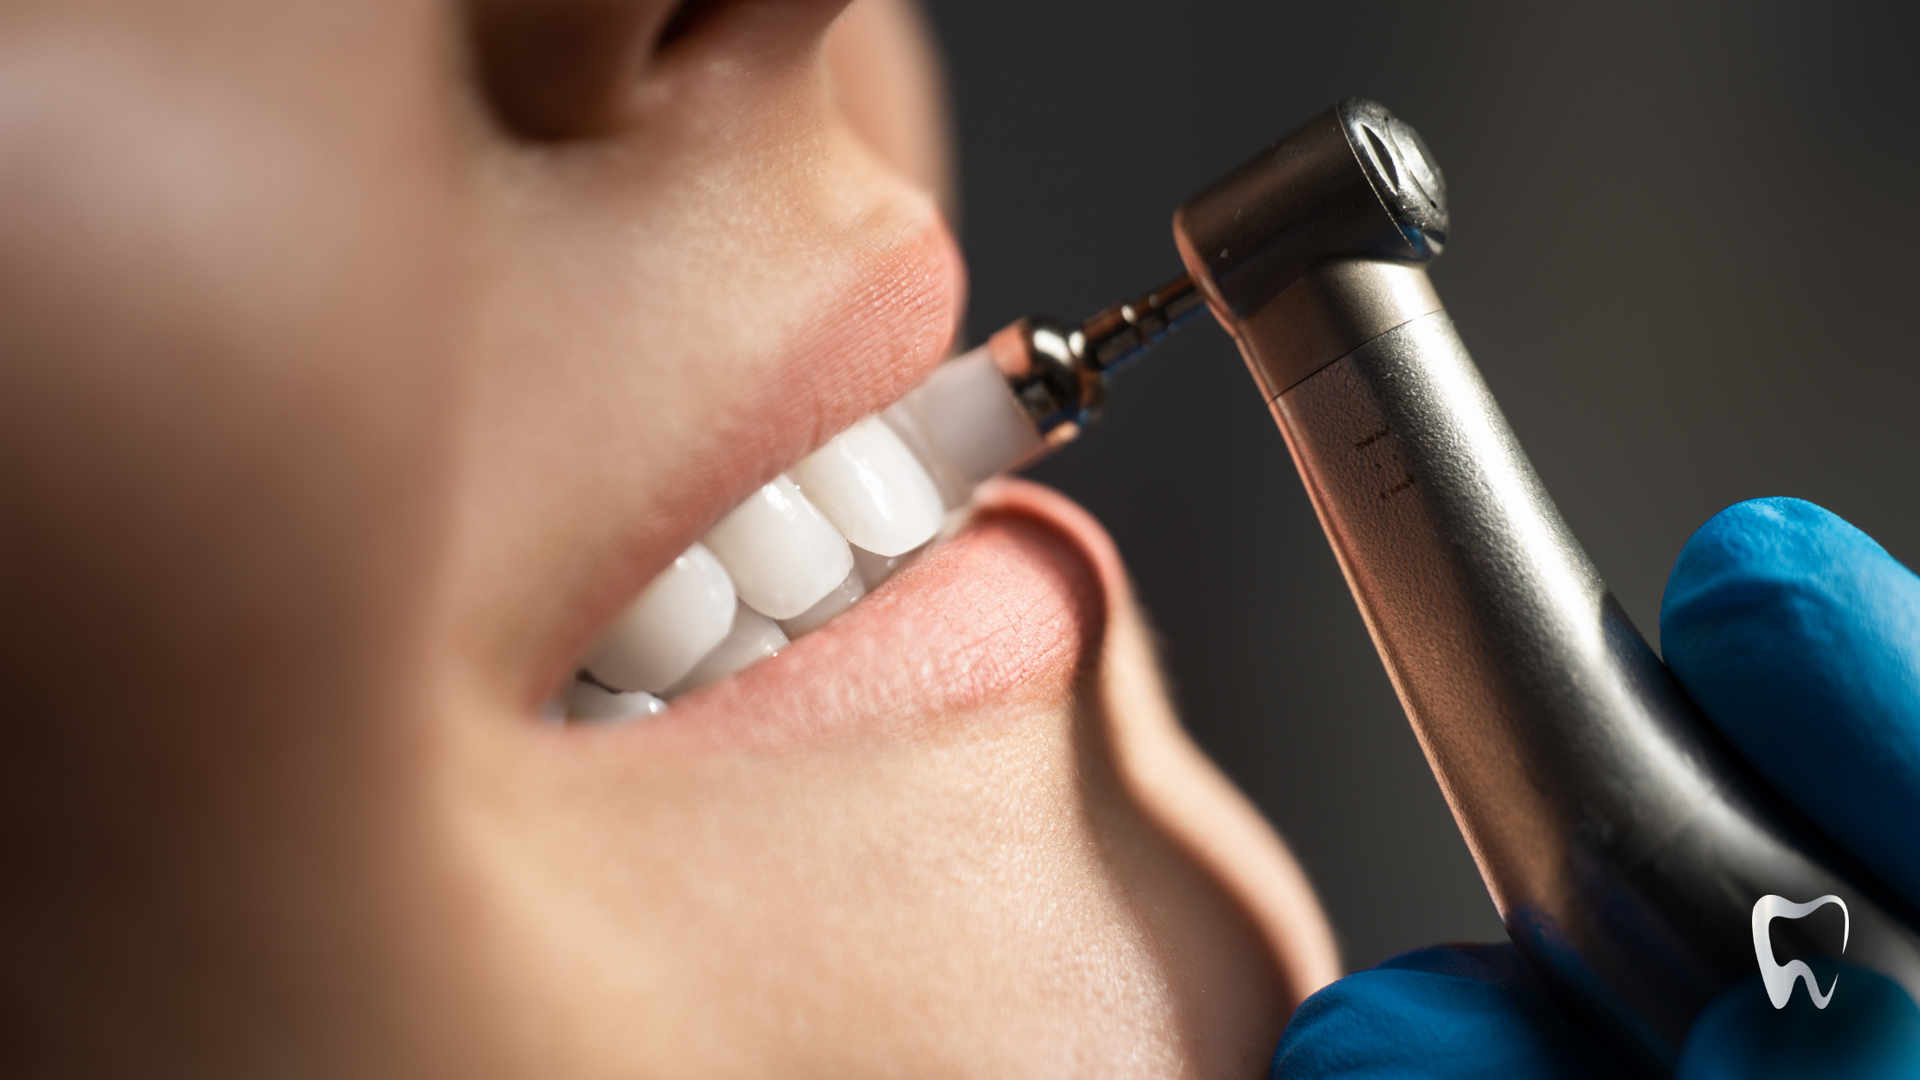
1682 253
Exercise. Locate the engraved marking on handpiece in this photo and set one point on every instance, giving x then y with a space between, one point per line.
1406 482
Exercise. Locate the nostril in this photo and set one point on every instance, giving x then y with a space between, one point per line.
687 18
555 70
558 69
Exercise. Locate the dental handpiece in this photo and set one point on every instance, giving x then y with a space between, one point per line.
1625 844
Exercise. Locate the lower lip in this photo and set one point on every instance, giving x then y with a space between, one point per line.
1003 612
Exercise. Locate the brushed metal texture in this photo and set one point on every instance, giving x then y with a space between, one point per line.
1336 306
1623 841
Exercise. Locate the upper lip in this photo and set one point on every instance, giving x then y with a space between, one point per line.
878 327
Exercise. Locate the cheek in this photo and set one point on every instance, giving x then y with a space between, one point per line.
237 323
225 414
224 419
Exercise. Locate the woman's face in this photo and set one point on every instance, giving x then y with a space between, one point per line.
362 361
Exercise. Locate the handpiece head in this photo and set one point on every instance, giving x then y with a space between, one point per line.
1356 182
1353 186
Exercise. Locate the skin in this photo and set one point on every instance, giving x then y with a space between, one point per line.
358 370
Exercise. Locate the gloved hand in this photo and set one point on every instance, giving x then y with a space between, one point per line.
1799 637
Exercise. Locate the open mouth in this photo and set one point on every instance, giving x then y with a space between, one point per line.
808 545
819 537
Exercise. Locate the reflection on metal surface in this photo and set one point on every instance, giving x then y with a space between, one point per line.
1059 372
1621 838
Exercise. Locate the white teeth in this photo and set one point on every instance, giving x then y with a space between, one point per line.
844 596
875 569
679 618
586 701
781 552
965 425
754 637
869 485
795 555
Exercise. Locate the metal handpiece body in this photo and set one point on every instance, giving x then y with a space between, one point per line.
1623 841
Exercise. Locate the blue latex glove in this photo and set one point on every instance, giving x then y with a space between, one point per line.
1799 637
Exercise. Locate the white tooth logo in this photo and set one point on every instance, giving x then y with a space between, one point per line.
1780 978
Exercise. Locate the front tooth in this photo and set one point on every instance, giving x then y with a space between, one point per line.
844 596
874 569
965 424
781 552
586 701
869 485
754 637
676 620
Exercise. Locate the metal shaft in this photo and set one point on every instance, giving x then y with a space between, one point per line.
1059 372
1623 841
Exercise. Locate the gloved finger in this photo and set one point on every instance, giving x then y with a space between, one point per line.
1800 639
1448 1011
1870 1030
